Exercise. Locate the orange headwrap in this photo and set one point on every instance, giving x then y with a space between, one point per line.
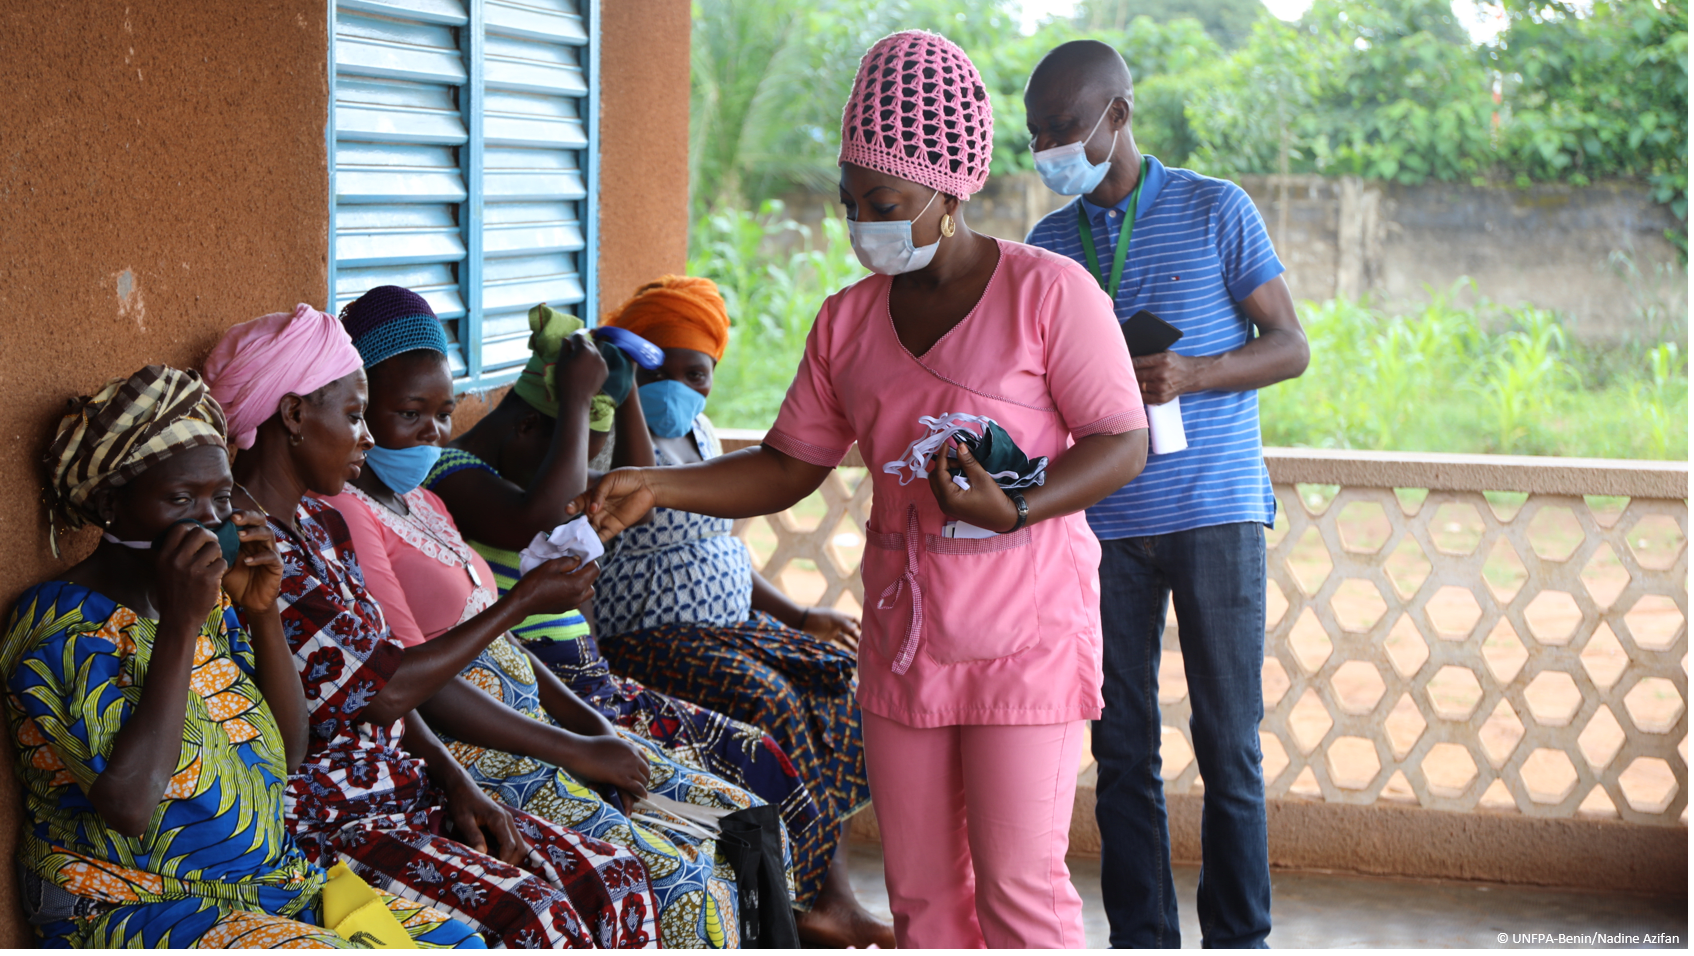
677 312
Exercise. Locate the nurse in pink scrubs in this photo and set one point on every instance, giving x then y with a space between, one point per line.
980 657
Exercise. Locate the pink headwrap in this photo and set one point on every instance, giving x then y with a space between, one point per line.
919 111
256 363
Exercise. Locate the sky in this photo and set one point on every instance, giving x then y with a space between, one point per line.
1482 20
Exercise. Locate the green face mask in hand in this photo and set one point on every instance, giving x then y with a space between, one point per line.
1001 457
994 449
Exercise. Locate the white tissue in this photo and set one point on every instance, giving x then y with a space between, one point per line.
1164 422
575 538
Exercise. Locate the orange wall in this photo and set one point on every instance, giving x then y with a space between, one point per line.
162 176
643 144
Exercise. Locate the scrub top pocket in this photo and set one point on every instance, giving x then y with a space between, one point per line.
998 619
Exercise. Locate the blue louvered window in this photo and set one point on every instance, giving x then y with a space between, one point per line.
462 156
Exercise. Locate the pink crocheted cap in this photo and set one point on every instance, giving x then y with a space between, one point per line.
920 111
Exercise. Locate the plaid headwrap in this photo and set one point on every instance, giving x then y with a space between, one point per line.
130 425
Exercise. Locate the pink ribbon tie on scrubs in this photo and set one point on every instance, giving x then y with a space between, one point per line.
890 594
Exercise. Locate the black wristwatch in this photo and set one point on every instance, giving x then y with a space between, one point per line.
1023 510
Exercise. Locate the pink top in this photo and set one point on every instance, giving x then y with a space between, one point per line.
415 565
1000 630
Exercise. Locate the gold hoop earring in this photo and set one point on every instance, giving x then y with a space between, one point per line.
295 438
947 227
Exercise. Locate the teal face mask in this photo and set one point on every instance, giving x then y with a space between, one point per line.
229 539
402 469
671 407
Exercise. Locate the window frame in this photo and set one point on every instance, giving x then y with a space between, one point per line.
472 41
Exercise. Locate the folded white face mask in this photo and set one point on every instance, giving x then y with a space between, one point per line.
575 538
943 427
886 247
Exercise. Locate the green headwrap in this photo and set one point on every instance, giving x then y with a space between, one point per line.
539 383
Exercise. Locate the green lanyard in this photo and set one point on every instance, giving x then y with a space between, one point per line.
1124 234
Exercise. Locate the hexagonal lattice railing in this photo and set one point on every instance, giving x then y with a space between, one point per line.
1498 639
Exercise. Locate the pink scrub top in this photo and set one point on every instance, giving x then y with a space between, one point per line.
415 566
999 630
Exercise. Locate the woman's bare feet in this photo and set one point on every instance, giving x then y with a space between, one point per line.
836 920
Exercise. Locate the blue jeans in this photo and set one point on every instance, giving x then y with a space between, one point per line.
1216 576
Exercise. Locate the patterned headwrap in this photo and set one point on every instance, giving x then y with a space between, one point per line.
389 320
256 363
127 427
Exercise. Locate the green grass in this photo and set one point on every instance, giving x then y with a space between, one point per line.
1444 377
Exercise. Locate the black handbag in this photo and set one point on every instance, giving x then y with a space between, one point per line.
751 842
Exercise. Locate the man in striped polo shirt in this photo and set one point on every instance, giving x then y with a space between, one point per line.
1191 529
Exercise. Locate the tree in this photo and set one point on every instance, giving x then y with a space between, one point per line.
1229 22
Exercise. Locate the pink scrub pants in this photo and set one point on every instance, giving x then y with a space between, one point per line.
975 821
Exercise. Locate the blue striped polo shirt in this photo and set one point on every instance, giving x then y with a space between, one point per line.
1198 249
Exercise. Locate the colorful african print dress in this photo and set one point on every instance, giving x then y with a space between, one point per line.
703 739
360 798
673 610
216 866
428 580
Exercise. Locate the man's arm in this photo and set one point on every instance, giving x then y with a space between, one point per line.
1279 352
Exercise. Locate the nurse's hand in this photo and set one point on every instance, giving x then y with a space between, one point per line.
622 497
983 504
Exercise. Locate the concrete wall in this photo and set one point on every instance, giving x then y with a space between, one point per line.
162 177
1557 247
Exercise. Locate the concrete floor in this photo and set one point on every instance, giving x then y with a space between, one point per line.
1322 910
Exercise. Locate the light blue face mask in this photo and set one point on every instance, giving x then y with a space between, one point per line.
1066 169
671 407
886 247
402 469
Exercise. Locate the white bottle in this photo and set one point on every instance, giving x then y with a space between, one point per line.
1164 424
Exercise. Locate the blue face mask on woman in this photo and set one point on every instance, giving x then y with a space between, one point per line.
671 407
402 469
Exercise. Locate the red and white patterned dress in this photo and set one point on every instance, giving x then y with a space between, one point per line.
360 797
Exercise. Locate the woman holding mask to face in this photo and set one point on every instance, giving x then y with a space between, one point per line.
155 731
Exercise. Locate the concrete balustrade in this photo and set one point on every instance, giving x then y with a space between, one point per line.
1475 666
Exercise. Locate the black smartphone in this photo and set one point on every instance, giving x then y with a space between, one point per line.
1147 334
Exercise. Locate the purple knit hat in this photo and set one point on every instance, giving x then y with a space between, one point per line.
919 111
389 320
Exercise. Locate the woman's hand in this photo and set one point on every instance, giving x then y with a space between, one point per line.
474 814
581 369
190 574
555 586
837 627
256 579
618 500
983 504
612 760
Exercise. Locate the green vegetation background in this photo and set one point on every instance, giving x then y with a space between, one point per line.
1388 90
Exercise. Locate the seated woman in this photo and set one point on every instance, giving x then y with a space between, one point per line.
294 391
154 732
520 733
683 612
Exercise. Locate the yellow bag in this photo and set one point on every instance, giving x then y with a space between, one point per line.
357 914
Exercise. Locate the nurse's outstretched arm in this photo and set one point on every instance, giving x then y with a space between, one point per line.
742 484
1093 468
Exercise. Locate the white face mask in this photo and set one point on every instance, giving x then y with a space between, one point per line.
886 247
1066 169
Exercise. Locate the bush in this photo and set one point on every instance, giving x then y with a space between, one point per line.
1485 378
